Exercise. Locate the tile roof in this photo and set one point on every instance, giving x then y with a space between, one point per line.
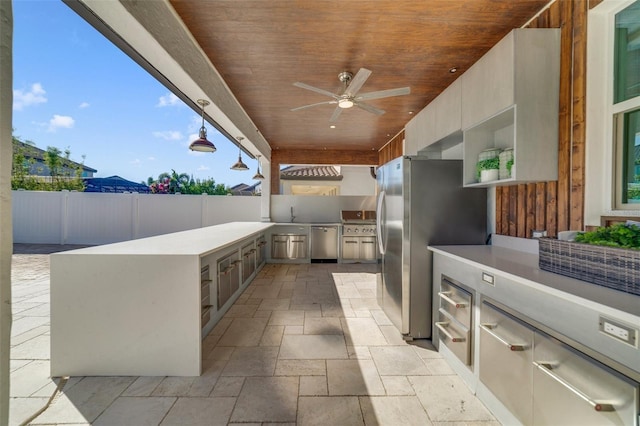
310 173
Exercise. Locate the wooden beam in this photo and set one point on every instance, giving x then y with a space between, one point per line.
328 156
578 136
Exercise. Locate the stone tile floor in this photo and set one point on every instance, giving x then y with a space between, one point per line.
304 344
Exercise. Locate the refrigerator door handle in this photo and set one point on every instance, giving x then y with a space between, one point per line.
379 219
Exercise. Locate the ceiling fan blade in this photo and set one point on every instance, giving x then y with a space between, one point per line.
315 89
369 108
384 94
335 115
356 82
312 105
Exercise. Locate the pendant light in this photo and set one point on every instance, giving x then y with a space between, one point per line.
202 144
239 165
258 175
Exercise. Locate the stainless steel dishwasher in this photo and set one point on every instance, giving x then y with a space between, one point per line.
324 243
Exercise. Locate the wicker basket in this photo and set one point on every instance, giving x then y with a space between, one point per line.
611 267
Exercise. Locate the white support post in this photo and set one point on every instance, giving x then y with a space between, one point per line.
6 228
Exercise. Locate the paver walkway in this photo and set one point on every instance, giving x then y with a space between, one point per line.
304 344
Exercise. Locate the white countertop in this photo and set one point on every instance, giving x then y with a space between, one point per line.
199 241
523 267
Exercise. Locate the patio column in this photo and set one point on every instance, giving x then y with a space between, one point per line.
265 201
6 229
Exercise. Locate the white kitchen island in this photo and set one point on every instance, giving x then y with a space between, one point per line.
142 307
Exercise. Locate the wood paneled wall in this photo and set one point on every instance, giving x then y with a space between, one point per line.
393 149
556 206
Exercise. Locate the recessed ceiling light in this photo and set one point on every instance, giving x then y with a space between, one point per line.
332 126
453 70
410 112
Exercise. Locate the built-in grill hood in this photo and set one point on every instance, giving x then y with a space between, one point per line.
358 216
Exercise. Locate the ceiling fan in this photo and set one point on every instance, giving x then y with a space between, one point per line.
349 97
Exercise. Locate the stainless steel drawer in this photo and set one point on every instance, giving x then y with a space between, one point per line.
571 389
456 301
506 354
455 336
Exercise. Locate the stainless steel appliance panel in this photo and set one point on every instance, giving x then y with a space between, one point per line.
261 253
421 202
350 248
456 337
324 242
297 247
228 277
456 301
248 262
506 354
571 389
279 246
368 248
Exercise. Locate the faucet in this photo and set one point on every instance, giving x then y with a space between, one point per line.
292 216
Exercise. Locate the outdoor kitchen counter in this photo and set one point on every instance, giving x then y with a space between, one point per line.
199 241
141 307
565 305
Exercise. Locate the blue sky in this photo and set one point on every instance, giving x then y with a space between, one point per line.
74 89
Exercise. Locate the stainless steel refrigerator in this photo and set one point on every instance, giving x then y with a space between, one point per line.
420 202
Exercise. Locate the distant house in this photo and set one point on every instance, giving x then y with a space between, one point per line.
310 180
327 180
114 184
244 189
35 156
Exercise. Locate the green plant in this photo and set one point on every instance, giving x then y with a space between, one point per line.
488 164
509 165
621 235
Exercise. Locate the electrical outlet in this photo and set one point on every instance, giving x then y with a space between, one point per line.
619 331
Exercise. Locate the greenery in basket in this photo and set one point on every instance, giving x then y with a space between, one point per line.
488 164
621 235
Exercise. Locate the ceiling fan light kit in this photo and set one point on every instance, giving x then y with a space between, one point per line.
349 96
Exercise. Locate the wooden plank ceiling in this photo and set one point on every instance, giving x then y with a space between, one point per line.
262 47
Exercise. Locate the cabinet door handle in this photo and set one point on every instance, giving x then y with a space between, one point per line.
351 242
512 346
367 242
297 241
546 368
228 269
444 295
442 326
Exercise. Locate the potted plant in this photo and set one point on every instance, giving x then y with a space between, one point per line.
488 170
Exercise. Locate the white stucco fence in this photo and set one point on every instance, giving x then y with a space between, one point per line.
100 218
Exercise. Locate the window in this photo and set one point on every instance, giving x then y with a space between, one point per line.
626 100
627 54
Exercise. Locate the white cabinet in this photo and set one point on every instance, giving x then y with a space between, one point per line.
448 111
510 100
420 131
438 126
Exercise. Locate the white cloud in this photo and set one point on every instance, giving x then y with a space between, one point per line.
84 105
60 121
169 135
169 100
202 168
135 163
36 95
151 158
